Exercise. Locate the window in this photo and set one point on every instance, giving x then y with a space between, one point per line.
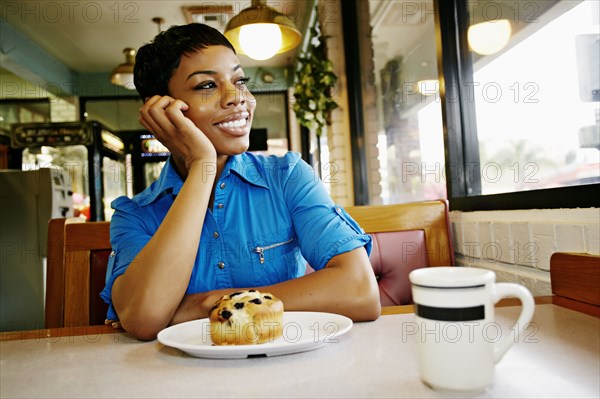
402 115
520 121
521 117
537 105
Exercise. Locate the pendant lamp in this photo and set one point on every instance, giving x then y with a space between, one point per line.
260 32
122 75
489 37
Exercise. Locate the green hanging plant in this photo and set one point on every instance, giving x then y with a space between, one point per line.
315 82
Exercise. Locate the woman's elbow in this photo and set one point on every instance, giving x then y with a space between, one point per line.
370 308
144 329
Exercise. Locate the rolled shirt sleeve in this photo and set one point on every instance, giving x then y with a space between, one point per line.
323 228
129 235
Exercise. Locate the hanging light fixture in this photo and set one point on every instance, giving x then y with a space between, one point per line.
123 74
489 37
260 32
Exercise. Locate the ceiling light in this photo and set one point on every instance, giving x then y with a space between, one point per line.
123 74
489 37
260 32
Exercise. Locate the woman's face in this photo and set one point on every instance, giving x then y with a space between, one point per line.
212 83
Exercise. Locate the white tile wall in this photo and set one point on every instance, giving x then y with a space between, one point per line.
592 238
338 131
518 245
544 240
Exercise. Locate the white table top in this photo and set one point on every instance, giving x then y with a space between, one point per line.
560 357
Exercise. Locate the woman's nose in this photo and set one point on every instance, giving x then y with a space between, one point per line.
232 95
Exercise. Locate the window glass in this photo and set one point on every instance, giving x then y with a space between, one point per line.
536 93
402 108
269 125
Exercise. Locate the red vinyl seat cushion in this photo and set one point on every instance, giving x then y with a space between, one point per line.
393 256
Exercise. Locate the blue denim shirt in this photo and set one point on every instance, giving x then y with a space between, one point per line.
270 216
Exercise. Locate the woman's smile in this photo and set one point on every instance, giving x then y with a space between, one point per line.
236 124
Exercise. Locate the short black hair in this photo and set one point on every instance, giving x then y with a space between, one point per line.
156 62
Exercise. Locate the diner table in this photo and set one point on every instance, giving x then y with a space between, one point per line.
557 356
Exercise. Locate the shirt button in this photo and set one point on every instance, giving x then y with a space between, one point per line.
216 234
221 265
220 206
222 186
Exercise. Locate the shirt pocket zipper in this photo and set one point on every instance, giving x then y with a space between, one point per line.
261 250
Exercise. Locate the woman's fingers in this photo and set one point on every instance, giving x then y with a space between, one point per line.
175 114
164 116
112 323
154 117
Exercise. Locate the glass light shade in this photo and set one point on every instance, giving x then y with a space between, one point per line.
260 41
260 14
489 37
124 79
123 74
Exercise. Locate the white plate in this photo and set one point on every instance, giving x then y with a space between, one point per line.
302 331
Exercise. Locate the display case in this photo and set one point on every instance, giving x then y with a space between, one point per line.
94 157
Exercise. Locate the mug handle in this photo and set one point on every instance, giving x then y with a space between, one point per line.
507 290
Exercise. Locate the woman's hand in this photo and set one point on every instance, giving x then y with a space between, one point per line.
164 117
198 306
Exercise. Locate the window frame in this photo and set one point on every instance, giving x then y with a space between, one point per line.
461 145
349 10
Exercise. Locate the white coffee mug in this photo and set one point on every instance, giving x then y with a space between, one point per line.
459 341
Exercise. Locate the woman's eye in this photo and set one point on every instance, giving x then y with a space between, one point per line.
205 86
243 81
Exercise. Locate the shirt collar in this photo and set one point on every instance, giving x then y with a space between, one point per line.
243 165
248 167
169 179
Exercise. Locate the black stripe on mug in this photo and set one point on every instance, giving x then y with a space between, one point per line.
450 314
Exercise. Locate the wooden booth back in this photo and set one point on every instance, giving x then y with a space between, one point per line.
78 254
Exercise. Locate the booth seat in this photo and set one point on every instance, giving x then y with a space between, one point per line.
393 256
76 269
405 237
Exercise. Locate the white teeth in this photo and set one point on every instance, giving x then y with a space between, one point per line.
238 123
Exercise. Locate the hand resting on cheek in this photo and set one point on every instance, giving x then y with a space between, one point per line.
165 117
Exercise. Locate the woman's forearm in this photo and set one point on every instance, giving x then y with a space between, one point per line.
148 293
346 286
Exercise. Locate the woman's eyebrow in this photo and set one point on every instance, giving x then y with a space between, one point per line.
209 72
201 73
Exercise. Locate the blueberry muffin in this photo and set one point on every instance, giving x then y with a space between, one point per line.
246 318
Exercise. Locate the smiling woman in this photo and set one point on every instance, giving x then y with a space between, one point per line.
191 237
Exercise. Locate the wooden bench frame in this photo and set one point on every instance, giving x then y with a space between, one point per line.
71 242
430 216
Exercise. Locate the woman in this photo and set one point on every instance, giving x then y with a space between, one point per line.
219 219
